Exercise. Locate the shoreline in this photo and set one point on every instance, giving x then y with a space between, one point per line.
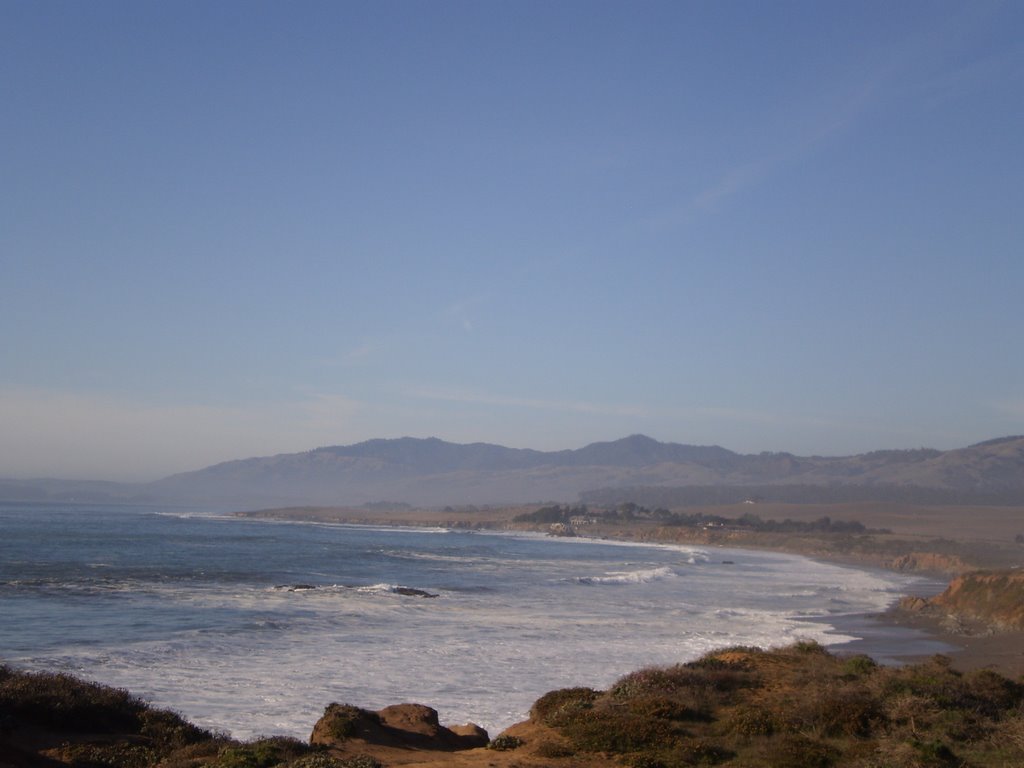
898 636
803 678
973 648
895 636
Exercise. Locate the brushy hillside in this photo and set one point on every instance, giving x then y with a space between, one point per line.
798 707
52 720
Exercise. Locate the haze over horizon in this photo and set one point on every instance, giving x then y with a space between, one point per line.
242 229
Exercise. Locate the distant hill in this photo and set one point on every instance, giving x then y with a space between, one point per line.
433 472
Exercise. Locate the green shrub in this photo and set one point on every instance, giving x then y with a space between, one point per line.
667 708
646 761
704 753
316 760
842 712
193 755
991 693
797 707
554 749
935 754
118 755
684 755
323 760
262 753
794 751
933 681
694 680
65 702
751 720
859 666
505 743
619 731
1011 730
343 720
361 761
809 647
557 707
169 730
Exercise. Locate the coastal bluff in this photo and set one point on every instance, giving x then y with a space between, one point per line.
988 601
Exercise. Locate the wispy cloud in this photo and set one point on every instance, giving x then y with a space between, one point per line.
804 137
732 181
816 121
958 81
463 311
471 397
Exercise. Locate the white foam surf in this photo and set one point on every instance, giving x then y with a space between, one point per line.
243 643
643 576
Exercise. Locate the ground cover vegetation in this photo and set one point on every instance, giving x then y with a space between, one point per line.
49 720
797 707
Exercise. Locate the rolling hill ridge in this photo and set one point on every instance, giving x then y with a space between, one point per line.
433 472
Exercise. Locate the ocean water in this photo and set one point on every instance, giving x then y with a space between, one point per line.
253 627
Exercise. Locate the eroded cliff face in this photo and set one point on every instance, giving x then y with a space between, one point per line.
931 562
993 598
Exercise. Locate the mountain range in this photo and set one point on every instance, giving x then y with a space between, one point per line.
432 472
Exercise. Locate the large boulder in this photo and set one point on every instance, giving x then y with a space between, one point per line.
401 725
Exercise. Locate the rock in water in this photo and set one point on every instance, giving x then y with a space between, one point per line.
411 592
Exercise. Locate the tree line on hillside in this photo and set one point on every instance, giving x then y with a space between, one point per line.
630 511
718 495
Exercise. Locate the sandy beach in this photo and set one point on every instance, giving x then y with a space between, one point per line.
969 647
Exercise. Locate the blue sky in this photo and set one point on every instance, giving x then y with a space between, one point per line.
242 228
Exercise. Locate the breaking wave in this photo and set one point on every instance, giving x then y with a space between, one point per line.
249 627
644 576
